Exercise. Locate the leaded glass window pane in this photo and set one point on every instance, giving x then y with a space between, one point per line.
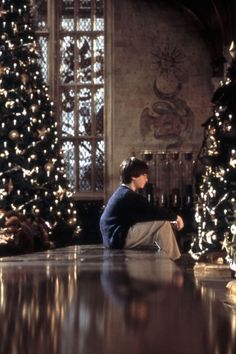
99 166
99 104
84 19
67 24
84 24
40 14
85 111
67 15
85 166
85 7
67 59
99 16
43 45
69 155
99 24
84 71
67 114
98 47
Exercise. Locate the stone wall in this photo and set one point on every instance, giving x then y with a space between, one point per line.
159 82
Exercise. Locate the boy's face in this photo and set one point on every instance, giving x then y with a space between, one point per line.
140 181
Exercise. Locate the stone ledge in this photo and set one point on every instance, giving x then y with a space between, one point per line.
206 270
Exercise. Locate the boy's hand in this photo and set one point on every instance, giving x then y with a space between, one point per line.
179 223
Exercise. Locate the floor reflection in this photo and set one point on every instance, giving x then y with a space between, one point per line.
86 300
33 304
167 314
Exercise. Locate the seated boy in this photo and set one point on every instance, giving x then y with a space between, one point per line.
130 221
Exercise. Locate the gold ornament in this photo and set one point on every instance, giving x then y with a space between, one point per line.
48 167
60 192
14 135
24 78
10 186
72 221
33 157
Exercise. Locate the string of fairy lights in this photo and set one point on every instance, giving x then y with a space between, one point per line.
215 212
33 175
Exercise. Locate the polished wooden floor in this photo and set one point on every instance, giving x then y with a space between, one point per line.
87 300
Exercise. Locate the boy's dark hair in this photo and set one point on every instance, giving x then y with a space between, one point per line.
132 167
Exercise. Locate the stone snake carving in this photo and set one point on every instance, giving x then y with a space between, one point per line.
170 119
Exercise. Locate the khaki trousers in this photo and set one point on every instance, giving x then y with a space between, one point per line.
150 233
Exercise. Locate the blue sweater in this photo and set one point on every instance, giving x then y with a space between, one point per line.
124 209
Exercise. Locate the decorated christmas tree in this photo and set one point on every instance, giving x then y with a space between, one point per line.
216 197
32 170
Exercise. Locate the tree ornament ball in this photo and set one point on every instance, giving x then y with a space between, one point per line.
72 221
48 167
14 135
